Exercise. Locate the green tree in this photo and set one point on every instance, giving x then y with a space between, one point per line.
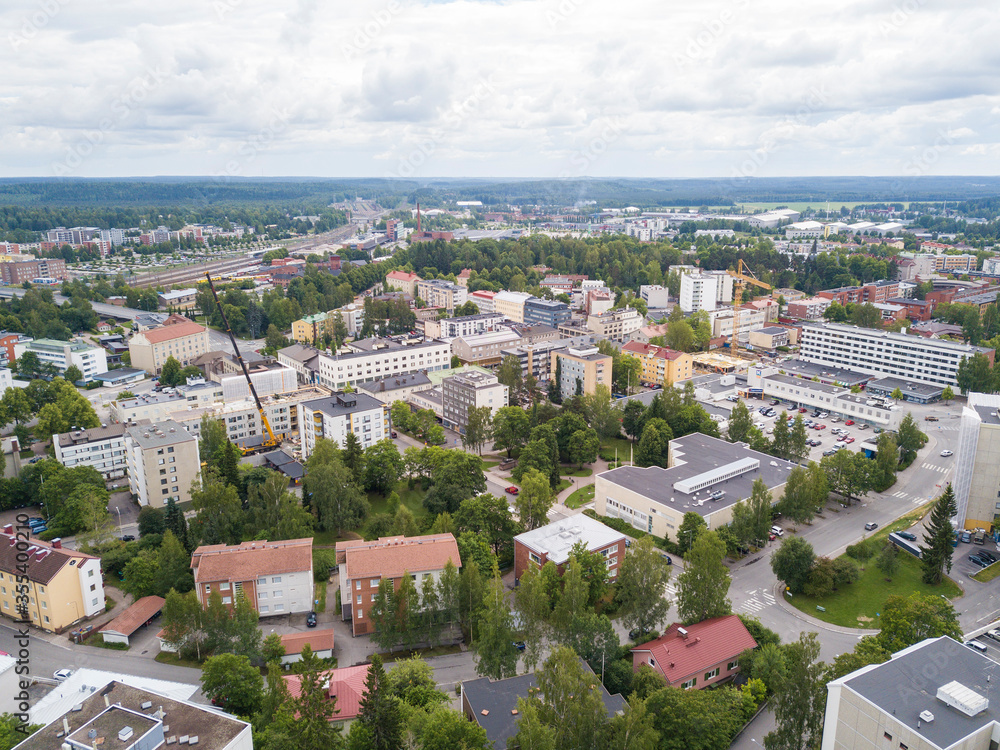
583 447
13 732
793 562
170 373
640 589
151 521
886 462
897 395
173 566
692 526
740 424
233 683
509 374
213 437
140 575
936 555
313 708
947 395
16 405
447 729
496 656
798 447
602 414
651 448
334 498
73 374
533 606
887 559
703 587
272 649
479 428
849 474
490 517
51 422
219 514
534 500
569 702
631 730
909 438
532 731
633 418
975 375
383 467
379 716
781 442
181 620
799 501
800 698
909 620
511 428
402 416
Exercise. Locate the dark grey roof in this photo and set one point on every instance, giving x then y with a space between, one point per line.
825 372
344 403
93 435
500 698
281 461
697 454
396 382
300 353
923 389
907 684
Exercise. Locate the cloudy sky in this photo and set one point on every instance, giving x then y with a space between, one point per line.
499 88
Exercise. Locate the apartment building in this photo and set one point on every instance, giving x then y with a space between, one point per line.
660 364
8 342
484 348
769 338
157 406
546 312
511 304
373 359
404 282
312 328
333 417
64 586
440 293
877 292
461 392
397 388
90 360
363 565
467 325
654 295
303 359
598 300
18 272
811 308
743 320
268 379
884 353
580 370
615 325
178 337
955 263
698 292
555 541
977 463
162 462
275 577
102 448
483 300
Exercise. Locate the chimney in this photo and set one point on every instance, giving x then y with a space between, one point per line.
65 725
8 529
57 543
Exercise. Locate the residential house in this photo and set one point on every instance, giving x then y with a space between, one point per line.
346 685
660 364
554 542
178 337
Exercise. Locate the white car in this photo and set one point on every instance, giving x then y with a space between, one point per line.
945 454
62 674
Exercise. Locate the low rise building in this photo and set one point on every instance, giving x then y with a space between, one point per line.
616 325
510 304
835 399
404 282
483 300
102 448
546 312
769 338
344 686
468 325
654 295
876 292
704 475
19 272
303 359
178 299
439 293
333 417
63 586
809 309
162 462
397 388
178 337
660 364
90 360
275 577
362 566
459 393
372 359
484 348
554 542
580 370
916 393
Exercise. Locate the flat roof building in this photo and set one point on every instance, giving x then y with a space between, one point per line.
103 448
162 462
334 416
554 542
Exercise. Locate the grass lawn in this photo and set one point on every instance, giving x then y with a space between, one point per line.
164 657
421 652
623 445
320 594
570 472
490 464
857 605
987 574
563 484
330 538
412 499
581 497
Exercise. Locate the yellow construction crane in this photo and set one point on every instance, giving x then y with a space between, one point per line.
271 441
743 275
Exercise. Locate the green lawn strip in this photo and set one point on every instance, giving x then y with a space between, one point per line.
576 472
94 638
490 464
320 595
165 657
330 538
865 597
987 574
423 653
563 484
622 444
581 497
412 499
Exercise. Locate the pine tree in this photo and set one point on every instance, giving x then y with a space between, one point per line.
177 523
379 714
936 556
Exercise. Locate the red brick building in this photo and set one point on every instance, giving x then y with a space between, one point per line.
699 655
20 271
878 292
553 543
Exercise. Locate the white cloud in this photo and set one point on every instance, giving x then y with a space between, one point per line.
331 89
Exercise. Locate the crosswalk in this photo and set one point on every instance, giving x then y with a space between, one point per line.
671 592
759 599
915 500
932 467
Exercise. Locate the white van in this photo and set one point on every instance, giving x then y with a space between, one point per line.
839 444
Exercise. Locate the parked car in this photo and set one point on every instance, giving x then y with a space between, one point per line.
829 452
977 560
835 419
128 537
945 454
821 427
311 620
636 633
965 537
863 426
824 415
512 490
803 410
994 634
989 557
393 434
848 439
62 674
930 418
519 645
908 536
775 402
777 531
871 526
849 422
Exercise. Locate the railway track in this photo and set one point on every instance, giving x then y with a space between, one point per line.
190 273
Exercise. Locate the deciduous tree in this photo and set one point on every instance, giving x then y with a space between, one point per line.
703 587
793 562
641 586
496 656
534 500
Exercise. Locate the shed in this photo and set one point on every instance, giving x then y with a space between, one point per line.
128 622
320 641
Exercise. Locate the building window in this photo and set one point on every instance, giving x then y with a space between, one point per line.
224 587
689 684
276 579
227 600
276 593
887 736
93 602
262 595
710 675
265 608
732 665
534 558
208 588
359 598
279 607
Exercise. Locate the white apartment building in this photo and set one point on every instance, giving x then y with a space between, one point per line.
461 392
90 360
724 321
884 353
616 325
162 462
654 295
103 448
511 304
270 381
467 325
374 359
333 417
483 300
698 292
440 293
991 266
159 406
484 348
353 315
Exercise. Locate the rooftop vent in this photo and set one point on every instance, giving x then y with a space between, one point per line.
124 734
926 716
682 632
966 700
146 704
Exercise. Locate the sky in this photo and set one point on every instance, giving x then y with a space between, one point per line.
495 89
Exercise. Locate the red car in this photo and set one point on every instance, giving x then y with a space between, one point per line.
848 440
512 490
803 410
849 422
821 427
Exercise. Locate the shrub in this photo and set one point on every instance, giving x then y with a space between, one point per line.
323 560
862 551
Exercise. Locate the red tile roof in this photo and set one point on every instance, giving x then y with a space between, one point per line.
706 644
651 350
347 685
317 640
250 560
401 276
390 557
135 616
174 327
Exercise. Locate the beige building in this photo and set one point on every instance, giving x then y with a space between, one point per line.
484 348
63 586
704 475
459 393
588 367
934 695
440 293
977 463
404 282
511 304
163 461
660 364
616 325
178 337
